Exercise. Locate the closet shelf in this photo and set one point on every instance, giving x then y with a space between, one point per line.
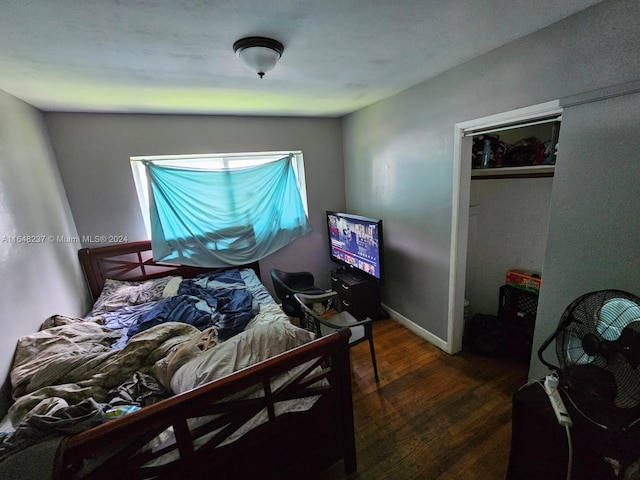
532 171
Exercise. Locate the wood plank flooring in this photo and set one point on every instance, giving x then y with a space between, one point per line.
433 415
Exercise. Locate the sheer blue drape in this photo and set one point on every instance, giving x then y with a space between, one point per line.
216 218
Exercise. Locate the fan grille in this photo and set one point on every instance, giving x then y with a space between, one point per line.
603 331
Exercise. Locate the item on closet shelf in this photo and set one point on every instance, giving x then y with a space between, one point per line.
525 280
487 151
528 151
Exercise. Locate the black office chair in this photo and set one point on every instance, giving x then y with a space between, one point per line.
286 284
324 312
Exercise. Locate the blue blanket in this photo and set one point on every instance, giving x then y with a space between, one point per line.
218 300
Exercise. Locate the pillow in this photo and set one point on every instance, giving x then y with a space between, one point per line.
120 293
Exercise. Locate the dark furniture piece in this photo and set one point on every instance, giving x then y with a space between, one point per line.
361 298
286 284
324 314
539 447
326 429
517 313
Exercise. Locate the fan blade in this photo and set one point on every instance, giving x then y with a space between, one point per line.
584 315
627 382
629 343
615 315
580 329
574 352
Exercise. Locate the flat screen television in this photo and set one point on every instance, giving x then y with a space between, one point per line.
355 242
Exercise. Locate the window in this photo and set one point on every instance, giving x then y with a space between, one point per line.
219 161
221 209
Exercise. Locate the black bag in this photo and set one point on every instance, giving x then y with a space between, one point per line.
485 335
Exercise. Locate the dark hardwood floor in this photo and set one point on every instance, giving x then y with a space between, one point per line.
433 415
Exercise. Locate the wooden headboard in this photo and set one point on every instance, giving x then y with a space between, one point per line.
133 261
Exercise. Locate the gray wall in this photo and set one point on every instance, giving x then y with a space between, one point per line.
93 152
399 152
40 279
594 227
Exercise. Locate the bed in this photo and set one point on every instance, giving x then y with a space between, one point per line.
242 396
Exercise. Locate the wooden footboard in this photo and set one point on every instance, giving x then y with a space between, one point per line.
290 445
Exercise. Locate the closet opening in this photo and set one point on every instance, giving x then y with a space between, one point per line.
503 175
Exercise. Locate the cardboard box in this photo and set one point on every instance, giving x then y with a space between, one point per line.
525 280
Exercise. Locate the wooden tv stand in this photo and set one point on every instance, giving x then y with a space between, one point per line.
360 297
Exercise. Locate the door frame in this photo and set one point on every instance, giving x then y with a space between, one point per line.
460 205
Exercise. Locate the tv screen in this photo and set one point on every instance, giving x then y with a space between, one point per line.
355 242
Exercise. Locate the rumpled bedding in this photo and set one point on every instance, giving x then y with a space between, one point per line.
110 357
74 362
118 293
59 369
220 300
41 435
264 338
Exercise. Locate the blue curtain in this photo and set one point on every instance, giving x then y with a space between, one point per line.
216 218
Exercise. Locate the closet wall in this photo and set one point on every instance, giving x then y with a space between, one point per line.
508 224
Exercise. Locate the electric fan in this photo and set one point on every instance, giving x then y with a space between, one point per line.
598 348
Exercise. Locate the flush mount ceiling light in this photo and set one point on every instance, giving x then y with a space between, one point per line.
260 54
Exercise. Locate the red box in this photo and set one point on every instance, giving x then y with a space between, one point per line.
525 280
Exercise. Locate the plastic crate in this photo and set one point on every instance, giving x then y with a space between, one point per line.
516 299
517 310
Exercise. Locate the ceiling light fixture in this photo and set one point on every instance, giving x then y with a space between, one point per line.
260 54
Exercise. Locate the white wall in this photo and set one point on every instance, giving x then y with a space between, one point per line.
93 152
399 152
508 226
41 279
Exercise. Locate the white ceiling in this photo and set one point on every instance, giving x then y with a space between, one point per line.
171 56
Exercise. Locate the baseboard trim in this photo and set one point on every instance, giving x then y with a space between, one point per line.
418 330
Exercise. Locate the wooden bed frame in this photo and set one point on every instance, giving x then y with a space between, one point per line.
288 446
133 261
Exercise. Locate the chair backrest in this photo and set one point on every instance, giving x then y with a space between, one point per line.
324 311
314 306
284 294
277 277
289 304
